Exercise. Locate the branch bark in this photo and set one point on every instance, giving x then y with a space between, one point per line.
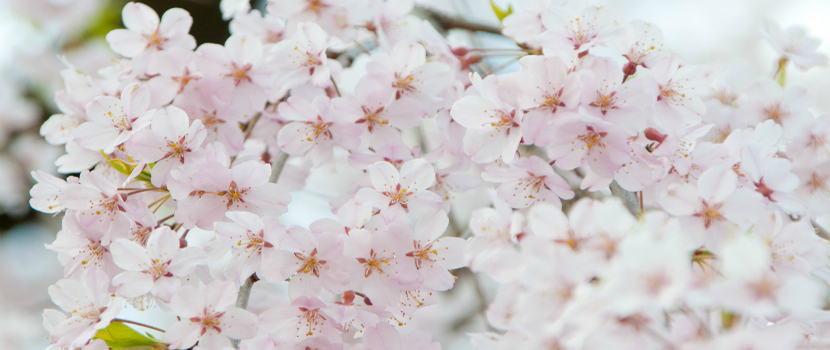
448 22
628 199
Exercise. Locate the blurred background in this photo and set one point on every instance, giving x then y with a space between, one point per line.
34 34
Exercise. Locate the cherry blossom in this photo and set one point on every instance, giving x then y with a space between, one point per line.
155 268
90 303
146 39
112 121
397 193
209 317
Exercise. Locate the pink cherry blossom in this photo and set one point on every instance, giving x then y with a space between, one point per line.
528 181
146 38
599 145
493 126
169 143
156 268
113 121
315 128
208 316
250 238
397 193
207 191
302 57
91 306
240 63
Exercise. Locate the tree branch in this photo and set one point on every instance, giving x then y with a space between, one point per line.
628 199
449 22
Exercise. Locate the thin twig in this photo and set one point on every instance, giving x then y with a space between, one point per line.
336 89
447 22
137 324
505 65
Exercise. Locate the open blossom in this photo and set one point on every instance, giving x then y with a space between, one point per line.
240 63
608 96
146 38
315 128
170 141
794 44
208 315
302 57
397 193
156 268
642 46
715 206
528 181
406 69
112 121
207 191
250 238
305 318
576 31
599 145
90 303
493 125
433 256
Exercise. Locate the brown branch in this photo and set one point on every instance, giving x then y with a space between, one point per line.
449 22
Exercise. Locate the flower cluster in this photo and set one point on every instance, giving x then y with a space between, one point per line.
713 244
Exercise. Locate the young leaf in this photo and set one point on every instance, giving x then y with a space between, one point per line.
119 336
501 14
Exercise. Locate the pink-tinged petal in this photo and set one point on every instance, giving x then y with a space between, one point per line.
297 109
250 174
384 176
145 146
96 137
681 200
450 252
135 99
186 260
132 284
183 334
130 256
70 295
717 183
547 221
372 197
140 18
276 265
428 230
221 295
433 77
244 49
239 324
416 175
171 123
474 112
743 207
382 337
73 333
407 56
188 302
296 138
266 200
406 113
175 22
163 244
126 42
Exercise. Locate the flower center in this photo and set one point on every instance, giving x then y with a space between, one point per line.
311 264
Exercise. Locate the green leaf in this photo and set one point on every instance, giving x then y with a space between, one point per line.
501 14
119 336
